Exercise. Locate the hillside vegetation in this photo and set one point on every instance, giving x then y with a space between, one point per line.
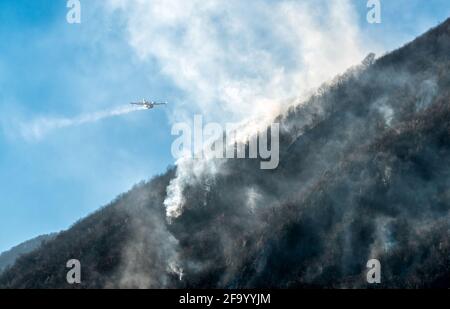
364 173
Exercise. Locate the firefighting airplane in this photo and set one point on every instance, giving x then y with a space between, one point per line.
148 104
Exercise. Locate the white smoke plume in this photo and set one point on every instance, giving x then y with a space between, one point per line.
38 128
241 61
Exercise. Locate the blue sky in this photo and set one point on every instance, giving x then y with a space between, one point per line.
50 69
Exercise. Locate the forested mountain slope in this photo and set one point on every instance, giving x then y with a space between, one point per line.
8 258
364 173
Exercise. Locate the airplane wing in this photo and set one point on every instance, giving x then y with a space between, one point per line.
133 103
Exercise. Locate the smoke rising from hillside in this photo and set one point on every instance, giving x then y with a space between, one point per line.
364 173
240 61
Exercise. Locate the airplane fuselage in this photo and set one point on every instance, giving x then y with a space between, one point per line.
147 104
